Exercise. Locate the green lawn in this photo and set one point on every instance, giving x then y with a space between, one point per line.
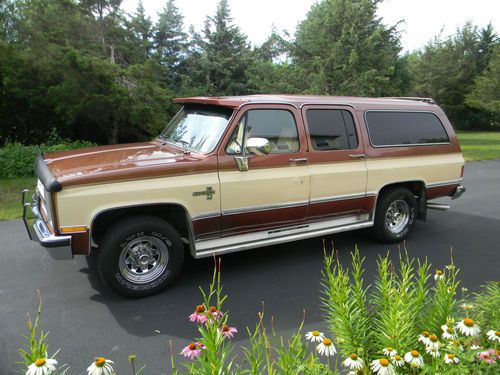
480 145
10 196
475 146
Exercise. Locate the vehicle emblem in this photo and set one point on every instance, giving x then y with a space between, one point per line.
209 192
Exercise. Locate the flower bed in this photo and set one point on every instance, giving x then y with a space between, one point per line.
407 322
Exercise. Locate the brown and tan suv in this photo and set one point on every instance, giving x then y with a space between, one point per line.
235 173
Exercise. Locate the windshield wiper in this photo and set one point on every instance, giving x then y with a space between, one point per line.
184 144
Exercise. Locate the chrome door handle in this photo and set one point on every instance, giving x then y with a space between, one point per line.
357 156
298 160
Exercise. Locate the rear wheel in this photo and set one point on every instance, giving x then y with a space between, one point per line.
140 256
395 215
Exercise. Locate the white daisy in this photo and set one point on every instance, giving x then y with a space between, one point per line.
450 359
433 351
493 335
354 362
439 275
326 348
42 366
398 361
424 338
101 366
448 332
467 306
390 351
467 327
382 366
414 359
433 342
475 347
315 336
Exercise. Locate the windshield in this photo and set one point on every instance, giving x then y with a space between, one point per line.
197 127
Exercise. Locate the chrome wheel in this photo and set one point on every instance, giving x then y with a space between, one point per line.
143 259
397 216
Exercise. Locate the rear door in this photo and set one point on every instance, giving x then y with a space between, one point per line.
336 163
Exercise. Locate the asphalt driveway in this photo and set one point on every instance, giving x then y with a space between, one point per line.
86 320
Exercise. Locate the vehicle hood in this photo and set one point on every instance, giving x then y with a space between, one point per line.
125 161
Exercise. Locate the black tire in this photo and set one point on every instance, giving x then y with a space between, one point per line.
140 256
395 215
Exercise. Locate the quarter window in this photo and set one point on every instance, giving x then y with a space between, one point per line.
331 129
404 128
276 125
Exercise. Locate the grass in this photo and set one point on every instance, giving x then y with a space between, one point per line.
480 145
10 196
475 146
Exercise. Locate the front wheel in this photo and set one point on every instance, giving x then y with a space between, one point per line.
395 215
140 256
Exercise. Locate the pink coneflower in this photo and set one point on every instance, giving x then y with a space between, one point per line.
489 356
198 315
228 331
215 313
193 350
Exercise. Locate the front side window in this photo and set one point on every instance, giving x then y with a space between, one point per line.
331 129
404 128
197 127
276 125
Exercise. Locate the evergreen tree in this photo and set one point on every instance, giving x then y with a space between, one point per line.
170 44
271 71
343 48
222 56
141 33
446 69
109 28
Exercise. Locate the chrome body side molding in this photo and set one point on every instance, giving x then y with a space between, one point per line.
246 241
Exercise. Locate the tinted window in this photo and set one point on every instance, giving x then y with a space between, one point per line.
404 128
277 126
331 129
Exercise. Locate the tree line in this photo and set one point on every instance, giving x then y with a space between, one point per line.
85 69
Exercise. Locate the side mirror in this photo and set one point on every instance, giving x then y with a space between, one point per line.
258 146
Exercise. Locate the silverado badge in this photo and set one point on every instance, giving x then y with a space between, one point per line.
209 192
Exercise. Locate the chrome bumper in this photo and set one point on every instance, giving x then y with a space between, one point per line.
458 192
58 247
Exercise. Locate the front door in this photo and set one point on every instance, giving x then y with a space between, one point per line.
274 191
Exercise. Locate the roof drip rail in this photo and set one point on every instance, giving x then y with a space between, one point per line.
424 100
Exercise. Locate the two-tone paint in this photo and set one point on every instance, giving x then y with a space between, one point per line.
281 197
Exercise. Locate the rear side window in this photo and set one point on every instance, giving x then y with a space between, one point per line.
331 129
404 128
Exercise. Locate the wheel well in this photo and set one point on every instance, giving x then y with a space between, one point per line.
174 214
418 189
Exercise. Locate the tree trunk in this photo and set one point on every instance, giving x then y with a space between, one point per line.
113 135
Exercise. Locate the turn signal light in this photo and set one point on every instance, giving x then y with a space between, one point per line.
79 229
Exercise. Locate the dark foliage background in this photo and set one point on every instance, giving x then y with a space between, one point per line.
86 70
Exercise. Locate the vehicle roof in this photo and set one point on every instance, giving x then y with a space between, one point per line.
300 100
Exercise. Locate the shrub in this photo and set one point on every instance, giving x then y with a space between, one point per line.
17 160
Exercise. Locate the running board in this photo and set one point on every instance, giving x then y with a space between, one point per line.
438 206
242 242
